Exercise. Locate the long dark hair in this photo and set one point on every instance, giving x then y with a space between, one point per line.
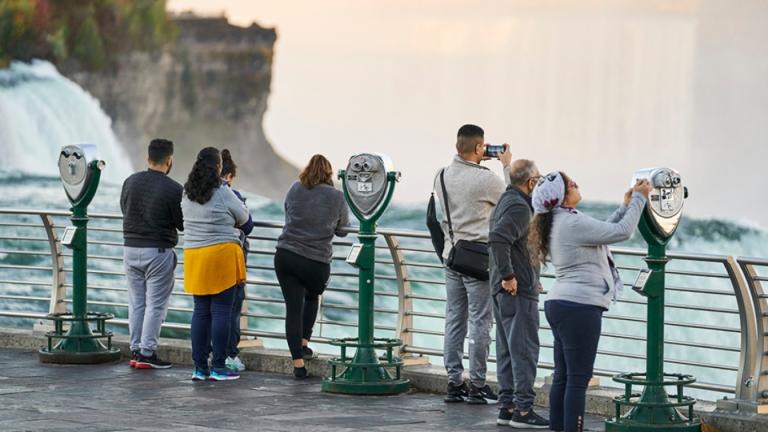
204 177
318 171
228 166
541 230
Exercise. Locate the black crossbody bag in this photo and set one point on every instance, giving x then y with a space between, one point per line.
466 257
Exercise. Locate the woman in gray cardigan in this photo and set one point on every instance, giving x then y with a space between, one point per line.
315 212
586 283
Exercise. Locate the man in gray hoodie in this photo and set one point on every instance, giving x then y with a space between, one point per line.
473 191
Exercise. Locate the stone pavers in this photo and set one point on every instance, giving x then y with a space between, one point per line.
114 397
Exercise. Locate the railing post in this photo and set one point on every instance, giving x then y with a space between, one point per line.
404 301
58 290
745 390
758 381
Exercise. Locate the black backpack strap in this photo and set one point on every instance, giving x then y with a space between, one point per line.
445 205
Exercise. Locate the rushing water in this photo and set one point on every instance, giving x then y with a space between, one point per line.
40 111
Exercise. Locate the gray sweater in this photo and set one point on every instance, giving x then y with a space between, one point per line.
312 218
584 268
473 191
214 222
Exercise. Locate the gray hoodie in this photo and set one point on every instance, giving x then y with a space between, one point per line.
584 269
473 191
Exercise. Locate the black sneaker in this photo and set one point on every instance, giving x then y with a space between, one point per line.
505 416
531 420
151 362
300 373
455 393
307 353
481 395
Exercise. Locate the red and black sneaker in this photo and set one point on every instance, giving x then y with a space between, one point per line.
134 356
151 362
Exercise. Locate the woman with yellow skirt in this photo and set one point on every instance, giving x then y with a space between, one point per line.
213 262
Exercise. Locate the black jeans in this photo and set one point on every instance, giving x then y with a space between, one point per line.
302 281
234 332
576 328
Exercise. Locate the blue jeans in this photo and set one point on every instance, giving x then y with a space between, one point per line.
210 328
234 332
576 328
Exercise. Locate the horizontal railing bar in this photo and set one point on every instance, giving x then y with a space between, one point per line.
424 265
345 307
426 281
21 297
105 229
17 282
356 291
16 314
25 267
611 335
98 257
596 372
21 225
36 253
17 238
352 324
104 243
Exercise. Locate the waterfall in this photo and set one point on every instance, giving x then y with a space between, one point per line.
41 111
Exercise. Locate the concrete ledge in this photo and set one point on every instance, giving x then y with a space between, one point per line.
424 378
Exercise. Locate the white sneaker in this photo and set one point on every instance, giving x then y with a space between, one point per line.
235 364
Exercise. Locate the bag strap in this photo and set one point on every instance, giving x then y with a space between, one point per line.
445 206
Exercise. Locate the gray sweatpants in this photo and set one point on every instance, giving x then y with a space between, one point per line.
517 349
466 298
149 272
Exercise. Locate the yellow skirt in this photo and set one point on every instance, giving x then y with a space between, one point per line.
213 269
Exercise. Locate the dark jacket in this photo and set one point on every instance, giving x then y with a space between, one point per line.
508 244
151 206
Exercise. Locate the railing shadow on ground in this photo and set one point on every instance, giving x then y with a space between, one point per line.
716 311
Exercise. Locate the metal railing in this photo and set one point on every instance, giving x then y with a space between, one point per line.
716 311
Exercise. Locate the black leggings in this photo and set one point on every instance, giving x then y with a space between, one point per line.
302 281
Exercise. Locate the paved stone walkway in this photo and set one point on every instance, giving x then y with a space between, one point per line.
114 397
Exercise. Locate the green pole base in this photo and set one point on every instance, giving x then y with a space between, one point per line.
80 344
63 357
365 374
632 426
383 387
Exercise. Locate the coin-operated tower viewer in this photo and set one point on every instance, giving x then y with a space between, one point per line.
653 410
80 169
368 183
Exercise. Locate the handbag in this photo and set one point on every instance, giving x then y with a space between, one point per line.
469 258
435 230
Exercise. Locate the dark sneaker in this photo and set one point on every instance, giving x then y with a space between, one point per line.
200 374
531 420
223 374
307 353
505 416
455 393
481 395
134 356
300 373
151 362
